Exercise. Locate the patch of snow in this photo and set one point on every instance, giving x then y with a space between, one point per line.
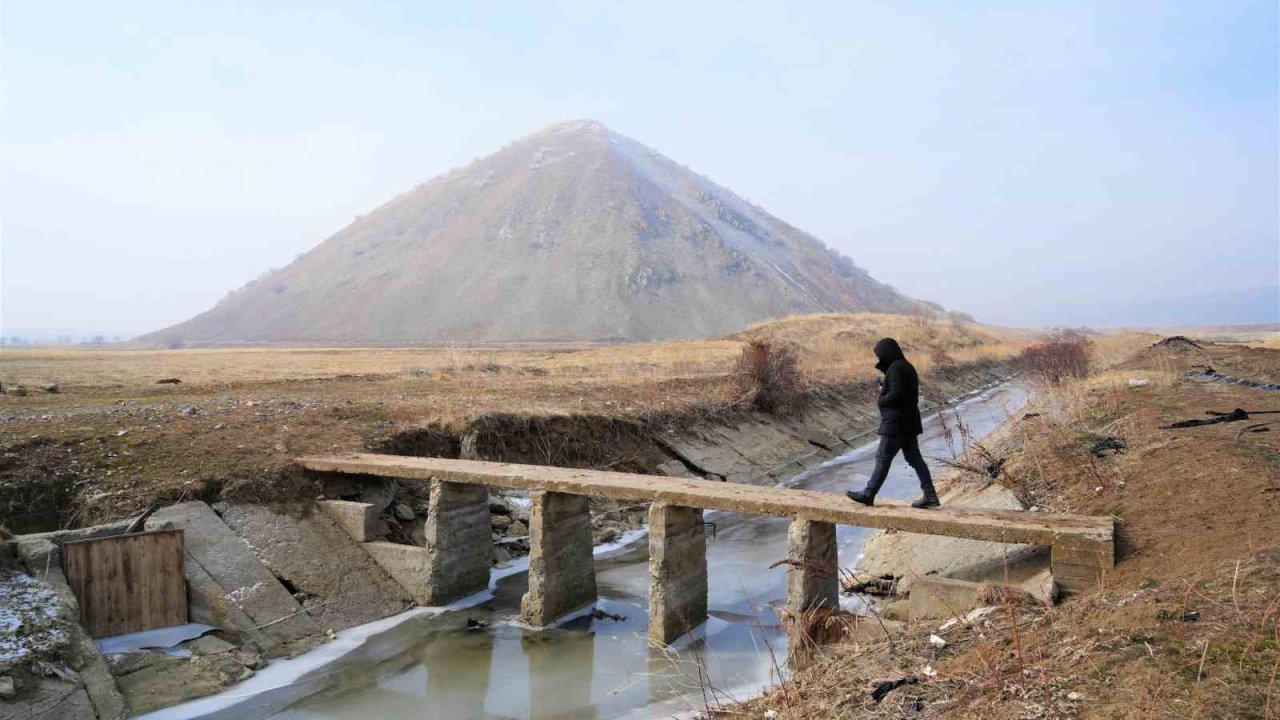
28 619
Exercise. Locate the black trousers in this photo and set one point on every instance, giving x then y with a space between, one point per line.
910 447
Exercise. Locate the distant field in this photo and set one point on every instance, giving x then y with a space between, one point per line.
833 348
1249 334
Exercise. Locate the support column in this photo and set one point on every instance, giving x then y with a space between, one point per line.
677 571
813 582
459 541
562 572
1080 566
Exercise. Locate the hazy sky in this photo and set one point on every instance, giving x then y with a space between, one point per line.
1032 163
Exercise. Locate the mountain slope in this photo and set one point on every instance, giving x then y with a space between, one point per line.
574 232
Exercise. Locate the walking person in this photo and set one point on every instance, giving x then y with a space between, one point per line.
900 425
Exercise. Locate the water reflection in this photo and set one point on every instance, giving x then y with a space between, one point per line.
457 676
561 671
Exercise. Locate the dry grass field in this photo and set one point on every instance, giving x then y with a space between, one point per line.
111 437
1256 334
462 380
1188 623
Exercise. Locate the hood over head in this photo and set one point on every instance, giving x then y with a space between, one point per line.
887 350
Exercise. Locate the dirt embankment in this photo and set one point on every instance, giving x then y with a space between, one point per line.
1188 623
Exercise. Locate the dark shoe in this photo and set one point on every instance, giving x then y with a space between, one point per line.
927 502
861 497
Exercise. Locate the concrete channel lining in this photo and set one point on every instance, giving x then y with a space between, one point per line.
1094 535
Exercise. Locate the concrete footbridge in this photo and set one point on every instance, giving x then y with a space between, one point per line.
457 557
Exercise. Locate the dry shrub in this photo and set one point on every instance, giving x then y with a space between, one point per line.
767 377
4 532
938 357
1059 357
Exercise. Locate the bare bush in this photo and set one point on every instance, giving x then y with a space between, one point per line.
939 357
767 377
1059 357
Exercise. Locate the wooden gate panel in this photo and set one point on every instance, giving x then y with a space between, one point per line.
128 583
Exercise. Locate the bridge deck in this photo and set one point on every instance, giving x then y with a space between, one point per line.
1068 532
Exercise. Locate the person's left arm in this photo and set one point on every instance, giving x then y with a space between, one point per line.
895 383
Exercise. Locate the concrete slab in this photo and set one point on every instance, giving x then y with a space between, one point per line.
41 551
316 557
936 597
406 564
245 582
994 525
151 680
209 604
359 520
911 556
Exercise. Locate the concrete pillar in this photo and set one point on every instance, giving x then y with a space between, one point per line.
814 581
459 541
677 571
562 572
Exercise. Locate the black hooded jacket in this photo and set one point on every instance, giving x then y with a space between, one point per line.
900 392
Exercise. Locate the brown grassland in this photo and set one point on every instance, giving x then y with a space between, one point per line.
1188 623
111 438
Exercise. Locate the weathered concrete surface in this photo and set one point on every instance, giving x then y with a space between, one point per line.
677 571
910 556
406 564
342 587
245 583
459 541
1080 567
41 551
812 578
360 520
209 604
764 450
1043 587
562 574
152 680
50 699
998 525
938 597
